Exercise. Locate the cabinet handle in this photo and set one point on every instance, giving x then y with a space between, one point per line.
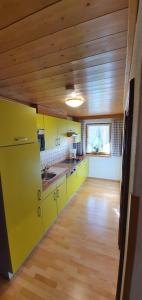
39 211
55 195
39 195
21 139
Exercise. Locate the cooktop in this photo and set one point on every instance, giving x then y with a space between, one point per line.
71 160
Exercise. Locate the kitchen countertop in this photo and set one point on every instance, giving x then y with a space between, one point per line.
60 169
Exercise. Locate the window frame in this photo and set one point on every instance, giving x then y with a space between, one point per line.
110 131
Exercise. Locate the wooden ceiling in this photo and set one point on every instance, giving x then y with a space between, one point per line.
46 44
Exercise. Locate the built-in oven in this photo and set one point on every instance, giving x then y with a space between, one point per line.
41 139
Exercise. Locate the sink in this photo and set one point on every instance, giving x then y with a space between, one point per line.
47 176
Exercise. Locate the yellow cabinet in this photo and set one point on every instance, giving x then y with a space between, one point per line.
20 187
51 132
53 201
73 126
78 131
49 210
40 121
71 184
17 123
61 131
61 194
82 172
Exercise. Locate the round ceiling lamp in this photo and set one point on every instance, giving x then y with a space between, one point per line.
73 100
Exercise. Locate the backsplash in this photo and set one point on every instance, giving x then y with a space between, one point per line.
55 155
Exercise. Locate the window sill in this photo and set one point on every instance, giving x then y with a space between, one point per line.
98 154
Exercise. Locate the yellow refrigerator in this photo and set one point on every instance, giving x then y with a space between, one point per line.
21 225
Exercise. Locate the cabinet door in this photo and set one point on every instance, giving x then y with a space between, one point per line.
62 131
51 133
76 127
21 181
82 171
61 196
49 210
73 126
17 123
78 131
71 184
40 121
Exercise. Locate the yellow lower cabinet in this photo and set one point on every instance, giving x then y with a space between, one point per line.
61 196
82 172
79 175
49 210
71 184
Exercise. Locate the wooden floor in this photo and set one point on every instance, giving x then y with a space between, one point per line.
78 259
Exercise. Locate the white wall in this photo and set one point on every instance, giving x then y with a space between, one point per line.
105 167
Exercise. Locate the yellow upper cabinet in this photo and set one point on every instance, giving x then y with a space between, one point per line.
77 126
17 123
56 130
61 131
73 126
40 121
51 132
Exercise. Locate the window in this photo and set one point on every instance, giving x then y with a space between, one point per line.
98 139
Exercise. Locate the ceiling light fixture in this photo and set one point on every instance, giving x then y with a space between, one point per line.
73 100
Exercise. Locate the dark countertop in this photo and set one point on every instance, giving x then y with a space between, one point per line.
60 169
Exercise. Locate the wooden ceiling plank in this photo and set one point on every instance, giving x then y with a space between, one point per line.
16 10
71 37
41 92
87 82
55 18
90 92
99 72
89 62
109 43
118 116
118 74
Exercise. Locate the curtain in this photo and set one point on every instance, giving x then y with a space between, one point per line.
81 147
116 137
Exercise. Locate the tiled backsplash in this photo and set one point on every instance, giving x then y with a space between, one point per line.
55 155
